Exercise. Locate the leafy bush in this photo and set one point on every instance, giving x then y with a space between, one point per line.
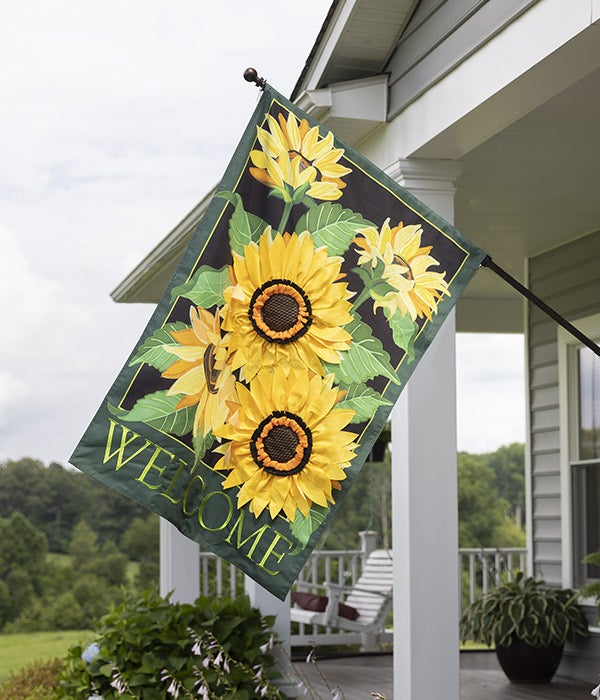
149 649
37 681
524 609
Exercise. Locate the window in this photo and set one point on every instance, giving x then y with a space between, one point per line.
585 464
589 404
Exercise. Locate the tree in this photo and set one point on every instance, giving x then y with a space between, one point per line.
483 513
22 546
508 464
140 541
84 545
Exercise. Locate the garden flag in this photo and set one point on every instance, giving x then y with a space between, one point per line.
310 289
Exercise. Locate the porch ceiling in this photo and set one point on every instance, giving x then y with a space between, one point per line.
534 185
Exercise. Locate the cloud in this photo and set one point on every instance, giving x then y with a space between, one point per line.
117 118
490 391
28 300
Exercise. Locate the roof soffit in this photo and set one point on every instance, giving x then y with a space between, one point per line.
356 41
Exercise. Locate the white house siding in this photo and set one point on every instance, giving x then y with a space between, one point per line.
567 279
439 35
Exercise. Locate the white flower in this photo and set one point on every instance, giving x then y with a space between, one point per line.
596 692
267 646
302 688
173 689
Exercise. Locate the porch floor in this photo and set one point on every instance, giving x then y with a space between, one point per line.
359 676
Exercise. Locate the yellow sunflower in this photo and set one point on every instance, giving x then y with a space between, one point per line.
286 305
294 156
200 372
406 269
288 445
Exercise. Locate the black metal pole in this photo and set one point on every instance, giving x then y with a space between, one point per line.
528 294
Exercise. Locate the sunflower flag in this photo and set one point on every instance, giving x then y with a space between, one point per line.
310 289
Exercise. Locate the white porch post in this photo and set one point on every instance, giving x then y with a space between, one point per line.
268 604
424 491
179 564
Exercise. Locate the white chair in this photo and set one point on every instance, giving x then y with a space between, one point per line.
371 597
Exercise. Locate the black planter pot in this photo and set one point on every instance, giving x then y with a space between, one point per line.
525 664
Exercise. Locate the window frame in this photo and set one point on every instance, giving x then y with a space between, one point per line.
568 385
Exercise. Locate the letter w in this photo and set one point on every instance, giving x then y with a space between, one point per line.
120 450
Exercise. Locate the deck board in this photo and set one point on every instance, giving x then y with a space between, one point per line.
359 676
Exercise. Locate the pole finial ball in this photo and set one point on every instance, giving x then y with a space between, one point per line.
250 75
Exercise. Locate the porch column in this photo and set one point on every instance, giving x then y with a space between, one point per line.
179 564
268 604
424 491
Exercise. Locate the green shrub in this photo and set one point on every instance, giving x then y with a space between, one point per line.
149 649
37 681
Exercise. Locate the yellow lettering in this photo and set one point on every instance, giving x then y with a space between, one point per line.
271 551
186 493
203 505
119 452
238 525
166 494
151 465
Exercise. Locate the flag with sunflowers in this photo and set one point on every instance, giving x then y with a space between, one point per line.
310 289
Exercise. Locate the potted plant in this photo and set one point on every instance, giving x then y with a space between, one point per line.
528 623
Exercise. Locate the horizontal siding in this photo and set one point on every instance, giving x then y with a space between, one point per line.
546 550
439 36
547 485
544 419
546 464
545 441
546 507
546 529
567 279
542 399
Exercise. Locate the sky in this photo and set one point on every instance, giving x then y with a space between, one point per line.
116 119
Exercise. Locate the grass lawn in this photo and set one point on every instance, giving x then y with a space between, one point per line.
18 650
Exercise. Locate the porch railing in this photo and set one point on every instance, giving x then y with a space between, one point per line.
485 568
480 570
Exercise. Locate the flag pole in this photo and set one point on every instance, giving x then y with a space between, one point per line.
528 294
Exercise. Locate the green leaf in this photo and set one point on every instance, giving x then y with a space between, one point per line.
153 350
158 410
302 528
363 400
516 611
244 228
559 628
365 359
404 330
333 226
201 445
205 288
503 631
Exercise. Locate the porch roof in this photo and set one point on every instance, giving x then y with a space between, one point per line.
525 134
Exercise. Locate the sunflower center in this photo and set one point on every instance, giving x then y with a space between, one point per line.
211 374
282 444
280 311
